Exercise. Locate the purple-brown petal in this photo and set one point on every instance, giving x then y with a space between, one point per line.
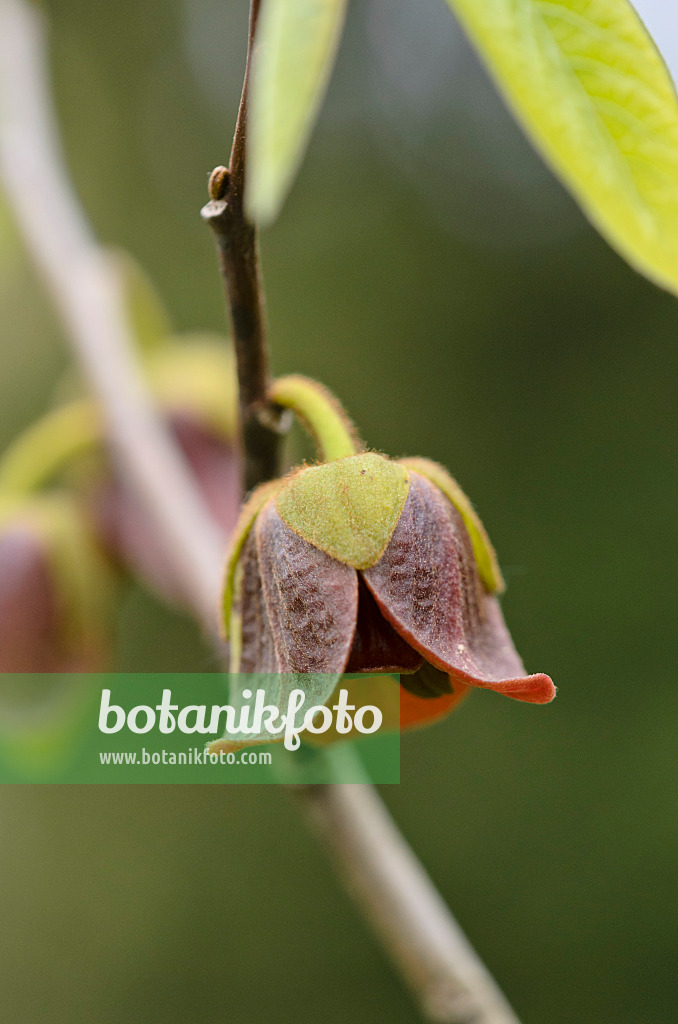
311 599
29 617
257 652
377 647
34 634
427 585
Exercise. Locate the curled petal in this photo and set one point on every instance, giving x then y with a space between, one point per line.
311 599
497 665
427 585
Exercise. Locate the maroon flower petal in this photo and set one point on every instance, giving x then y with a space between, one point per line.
427 585
216 465
34 627
376 645
258 649
29 614
311 599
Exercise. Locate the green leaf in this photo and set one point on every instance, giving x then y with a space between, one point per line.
590 88
295 47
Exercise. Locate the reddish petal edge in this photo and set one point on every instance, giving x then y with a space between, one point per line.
535 689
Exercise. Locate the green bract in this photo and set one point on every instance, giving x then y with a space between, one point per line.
348 508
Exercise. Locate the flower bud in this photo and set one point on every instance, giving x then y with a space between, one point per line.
28 619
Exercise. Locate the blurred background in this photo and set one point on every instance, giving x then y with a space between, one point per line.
429 269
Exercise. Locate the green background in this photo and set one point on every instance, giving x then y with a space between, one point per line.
428 269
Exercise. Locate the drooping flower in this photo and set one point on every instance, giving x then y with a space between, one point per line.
363 564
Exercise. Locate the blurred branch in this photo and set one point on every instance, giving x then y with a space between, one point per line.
86 290
237 247
405 909
387 881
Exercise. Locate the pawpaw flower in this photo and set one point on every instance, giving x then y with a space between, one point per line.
364 564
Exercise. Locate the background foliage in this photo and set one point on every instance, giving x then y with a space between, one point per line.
429 269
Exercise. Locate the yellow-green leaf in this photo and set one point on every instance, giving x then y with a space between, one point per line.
295 47
586 81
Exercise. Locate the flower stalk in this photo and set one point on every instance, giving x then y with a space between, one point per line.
319 412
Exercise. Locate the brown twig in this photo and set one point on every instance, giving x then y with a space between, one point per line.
387 881
236 239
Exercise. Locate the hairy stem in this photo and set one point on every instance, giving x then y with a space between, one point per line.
320 413
237 247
